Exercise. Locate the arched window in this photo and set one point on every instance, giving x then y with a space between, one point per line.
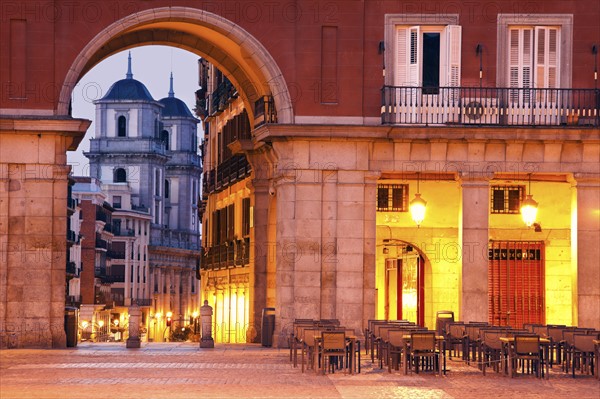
167 189
122 126
120 175
164 136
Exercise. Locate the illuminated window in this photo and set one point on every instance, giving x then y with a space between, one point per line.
392 197
506 199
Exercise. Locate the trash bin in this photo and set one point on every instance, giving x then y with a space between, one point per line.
267 327
71 324
442 318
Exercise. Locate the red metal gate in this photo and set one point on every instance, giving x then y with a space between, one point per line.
516 283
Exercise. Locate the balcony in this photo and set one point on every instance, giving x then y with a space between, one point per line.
116 254
113 278
264 111
72 238
163 237
142 302
223 94
225 256
494 106
71 204
228 172
101 244
124 232
72 269
73 300
122 145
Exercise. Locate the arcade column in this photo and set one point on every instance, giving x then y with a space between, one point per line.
33 227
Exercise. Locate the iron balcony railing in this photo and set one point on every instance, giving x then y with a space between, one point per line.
231 254
223 94
228 172
264 111
502 106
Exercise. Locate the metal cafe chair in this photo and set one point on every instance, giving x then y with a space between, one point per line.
333 345
583 352
422 351
526 349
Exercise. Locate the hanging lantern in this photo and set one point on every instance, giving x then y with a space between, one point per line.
529 208
417 206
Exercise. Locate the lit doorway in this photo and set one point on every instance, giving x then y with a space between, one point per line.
404 286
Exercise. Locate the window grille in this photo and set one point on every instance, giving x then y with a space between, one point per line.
392 197
506 199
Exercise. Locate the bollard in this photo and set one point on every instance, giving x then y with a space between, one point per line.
206 313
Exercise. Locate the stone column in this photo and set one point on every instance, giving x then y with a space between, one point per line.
259 250
588 253
474 237
369 247
33 220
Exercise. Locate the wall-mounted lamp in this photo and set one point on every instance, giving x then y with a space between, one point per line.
529 208
479 52
417 206
381 52
386 250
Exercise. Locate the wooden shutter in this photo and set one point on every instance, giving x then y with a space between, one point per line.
546 57
401 57
516 283
407 56
520 63
414 56
452 71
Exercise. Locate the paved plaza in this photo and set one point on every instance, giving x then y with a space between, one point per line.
182 370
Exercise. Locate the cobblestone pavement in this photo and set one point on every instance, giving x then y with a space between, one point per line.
182 370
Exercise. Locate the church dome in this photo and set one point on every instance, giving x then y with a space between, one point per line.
128 88
174 107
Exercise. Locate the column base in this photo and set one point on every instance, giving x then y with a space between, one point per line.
133 343
207 343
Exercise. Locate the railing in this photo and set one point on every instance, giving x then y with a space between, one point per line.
139 208
101 244
228 172
142 302
224 92
72 268
264 111
120 232
229 255
72 237
123 145
490 106
113 278
73 300
174 238
71 203
116 254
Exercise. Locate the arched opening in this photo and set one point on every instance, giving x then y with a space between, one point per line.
122 126
164 136
404 282
120 176
241 57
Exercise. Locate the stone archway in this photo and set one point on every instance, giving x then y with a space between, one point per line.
33 165
242 58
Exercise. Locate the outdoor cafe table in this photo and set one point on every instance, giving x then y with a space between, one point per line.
507 343
440 343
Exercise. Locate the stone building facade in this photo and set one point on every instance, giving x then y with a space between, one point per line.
471 105
145 155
